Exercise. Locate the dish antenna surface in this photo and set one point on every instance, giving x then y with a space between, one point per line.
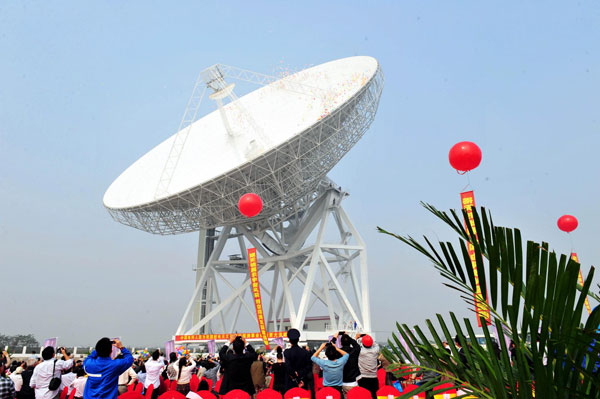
279 141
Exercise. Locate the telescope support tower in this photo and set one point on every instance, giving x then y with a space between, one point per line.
299 267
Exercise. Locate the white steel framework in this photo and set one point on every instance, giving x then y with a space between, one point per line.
332 271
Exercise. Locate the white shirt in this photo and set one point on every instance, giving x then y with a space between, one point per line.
186 372
78 385
124 378
17 379
153 370
66 380
42 374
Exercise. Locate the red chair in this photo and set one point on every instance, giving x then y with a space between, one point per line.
359 393
130 387
72 394
409 388
388 392
64 392
267 394
139 387
328 393
164 385
194 382
210 384
237 394
149 391
206 395
173 385
172 395
381 376
297 393
318 382
444 391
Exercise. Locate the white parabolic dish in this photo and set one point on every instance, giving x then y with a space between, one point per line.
294 138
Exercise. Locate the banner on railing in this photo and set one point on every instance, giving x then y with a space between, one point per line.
169 347
212 346
226 337
481 304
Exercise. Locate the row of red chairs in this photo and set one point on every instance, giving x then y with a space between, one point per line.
386 392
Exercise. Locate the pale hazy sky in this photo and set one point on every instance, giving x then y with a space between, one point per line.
88 87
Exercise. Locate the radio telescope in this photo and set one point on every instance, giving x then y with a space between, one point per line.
278 141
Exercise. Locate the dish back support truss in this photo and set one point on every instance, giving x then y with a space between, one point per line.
330 271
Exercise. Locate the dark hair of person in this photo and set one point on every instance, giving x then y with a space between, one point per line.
155 354
294 342
120 356
203 386
172 357
80 372
456 340
238 346
331 352
143 368
346 340
48 353
279 353
182 364
104 347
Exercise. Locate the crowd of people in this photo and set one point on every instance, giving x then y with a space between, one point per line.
111 370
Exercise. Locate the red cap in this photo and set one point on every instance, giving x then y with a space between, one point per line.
367 341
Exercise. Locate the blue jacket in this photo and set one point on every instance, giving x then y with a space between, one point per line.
103 375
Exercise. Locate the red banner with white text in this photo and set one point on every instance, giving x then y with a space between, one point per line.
253 263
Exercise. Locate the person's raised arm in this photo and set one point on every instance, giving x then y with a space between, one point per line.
316 354
64 353
123 364
340 351
223 352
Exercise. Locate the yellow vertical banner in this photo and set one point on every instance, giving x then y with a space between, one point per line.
253 264
587 302
482 309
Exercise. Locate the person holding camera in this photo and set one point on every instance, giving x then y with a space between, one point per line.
103 371
333 366
46 376
184 368
237 366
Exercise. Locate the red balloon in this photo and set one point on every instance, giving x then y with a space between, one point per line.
250 205
567 223
465 156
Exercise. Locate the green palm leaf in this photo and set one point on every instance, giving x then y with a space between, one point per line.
535 301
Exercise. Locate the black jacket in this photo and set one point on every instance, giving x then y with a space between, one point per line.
298 366
237 370
351 370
